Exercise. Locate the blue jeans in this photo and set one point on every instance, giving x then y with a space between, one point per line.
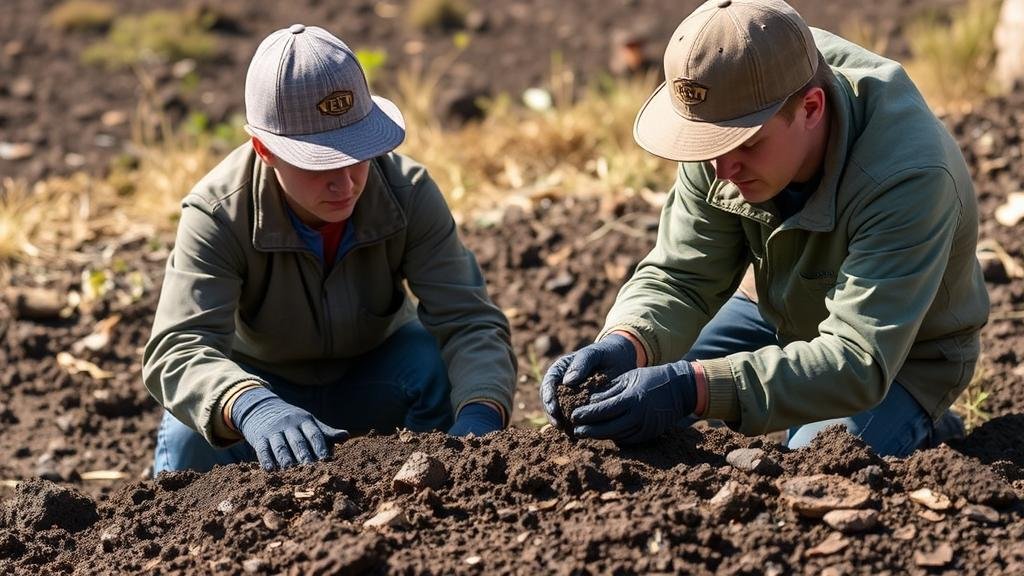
403 382
895 427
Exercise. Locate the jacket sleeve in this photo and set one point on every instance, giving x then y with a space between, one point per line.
897 258
696 264
454 305
186 364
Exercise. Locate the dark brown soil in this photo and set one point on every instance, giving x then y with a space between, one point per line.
524 501
569 398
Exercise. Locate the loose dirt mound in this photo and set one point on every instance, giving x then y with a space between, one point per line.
73 410
528 502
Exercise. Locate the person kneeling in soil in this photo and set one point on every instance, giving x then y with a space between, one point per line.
819 166
284 319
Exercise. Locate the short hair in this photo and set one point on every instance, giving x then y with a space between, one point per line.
819 80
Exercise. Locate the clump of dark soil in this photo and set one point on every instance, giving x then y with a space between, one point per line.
572 397
523 501
39 505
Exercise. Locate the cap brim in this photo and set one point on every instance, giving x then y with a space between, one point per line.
660 130
380 132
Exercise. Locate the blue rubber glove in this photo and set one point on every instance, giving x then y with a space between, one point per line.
476 418
642 404
614 354
282 435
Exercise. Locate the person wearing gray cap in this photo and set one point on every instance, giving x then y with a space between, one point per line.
817 165
284 319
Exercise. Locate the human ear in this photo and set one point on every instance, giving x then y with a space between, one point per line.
814 107
263 152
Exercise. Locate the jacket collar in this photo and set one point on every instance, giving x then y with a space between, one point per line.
376 216
819 213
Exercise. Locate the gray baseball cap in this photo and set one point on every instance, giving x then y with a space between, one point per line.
307 100
729 67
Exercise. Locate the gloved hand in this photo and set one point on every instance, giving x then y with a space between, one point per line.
641 404
281 434
476 418
614 354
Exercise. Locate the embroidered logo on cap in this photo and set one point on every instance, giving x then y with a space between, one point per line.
336 103
690 92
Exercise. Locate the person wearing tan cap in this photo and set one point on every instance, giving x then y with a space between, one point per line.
284 322
819 166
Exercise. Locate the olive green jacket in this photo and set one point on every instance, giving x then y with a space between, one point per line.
875 279
242 287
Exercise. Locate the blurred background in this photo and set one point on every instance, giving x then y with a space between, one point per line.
522 111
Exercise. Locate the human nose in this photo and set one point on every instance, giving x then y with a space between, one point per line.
340 181
726 166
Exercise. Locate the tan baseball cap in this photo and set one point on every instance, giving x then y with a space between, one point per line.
729 67
307 100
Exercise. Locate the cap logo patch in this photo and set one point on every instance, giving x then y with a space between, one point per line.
690 92
336 103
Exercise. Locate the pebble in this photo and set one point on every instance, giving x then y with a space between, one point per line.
16 150
254 565
851 521
226 506
813 496
752 460
390 515
931 500
981 513
835 542
940 556
420 471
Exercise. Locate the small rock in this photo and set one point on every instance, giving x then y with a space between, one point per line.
16 150
420 471
852 521
561 283
940 556
473 560
389 515
908 532
835 542
931 500
610 495
34 303
546 345
64 422
981 513
752 460
931 516
254 565
22 87
112 118
226 506
109 538
272 520
344 507
813 496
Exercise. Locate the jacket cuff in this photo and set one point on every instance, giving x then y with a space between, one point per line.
723 400
224 434
643 335
487 402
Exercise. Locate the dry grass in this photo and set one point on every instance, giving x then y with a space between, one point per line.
437 14
953 54
81 15
160 34
41 219
580 146
972 403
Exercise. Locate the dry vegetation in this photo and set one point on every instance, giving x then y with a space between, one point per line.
954 54
579 144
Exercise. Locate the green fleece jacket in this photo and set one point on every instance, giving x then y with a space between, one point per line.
874 280
242 287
